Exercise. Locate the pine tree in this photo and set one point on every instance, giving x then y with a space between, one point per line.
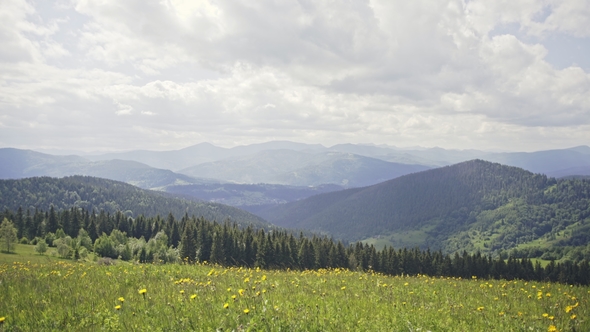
188 251
217 256
52 224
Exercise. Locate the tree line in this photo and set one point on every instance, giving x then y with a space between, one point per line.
191 239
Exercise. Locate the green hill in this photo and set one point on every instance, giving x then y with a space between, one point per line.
474 205
111 196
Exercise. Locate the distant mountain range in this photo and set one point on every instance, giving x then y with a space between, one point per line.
474 205
205 170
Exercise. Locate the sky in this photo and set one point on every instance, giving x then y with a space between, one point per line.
112 75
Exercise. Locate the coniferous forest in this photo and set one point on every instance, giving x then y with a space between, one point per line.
192 239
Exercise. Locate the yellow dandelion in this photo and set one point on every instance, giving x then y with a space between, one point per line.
480 308
225 305
121 299
233 297
545 315
246 280
117 307
182 291
551 317
568 308
142 291
263 277
573 316
552 328
343 287
246 311
2 319
194 296
241 292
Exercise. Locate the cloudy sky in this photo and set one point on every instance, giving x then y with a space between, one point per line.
98 75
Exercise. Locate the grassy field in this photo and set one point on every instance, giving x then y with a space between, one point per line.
54 295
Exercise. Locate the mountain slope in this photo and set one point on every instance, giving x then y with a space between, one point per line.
111 196
201 153
475 205
16 164
299 168
406 201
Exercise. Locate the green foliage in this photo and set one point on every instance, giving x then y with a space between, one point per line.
8 235
41 247
95 194
473 206
212 298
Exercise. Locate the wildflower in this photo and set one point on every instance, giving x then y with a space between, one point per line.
121 299
343 288
117 307
142 291
246 311
194 296
2 319
225 305
552 328
573 316
241 291
480 308
182 291
545 315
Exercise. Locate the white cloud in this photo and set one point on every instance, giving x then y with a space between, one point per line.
177 72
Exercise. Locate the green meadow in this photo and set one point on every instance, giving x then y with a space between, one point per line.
43 293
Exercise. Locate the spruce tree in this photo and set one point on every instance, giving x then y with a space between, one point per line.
188 249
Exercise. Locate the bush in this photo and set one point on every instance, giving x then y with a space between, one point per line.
104 247
41 247
24 240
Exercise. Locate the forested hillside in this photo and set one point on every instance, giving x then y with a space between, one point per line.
475 205
156 240
100 194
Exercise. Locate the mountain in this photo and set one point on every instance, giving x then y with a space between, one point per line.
98 194
298 168
474 205
16 164
546 162
200 153
250 197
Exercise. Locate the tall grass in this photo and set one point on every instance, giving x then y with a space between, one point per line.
59 295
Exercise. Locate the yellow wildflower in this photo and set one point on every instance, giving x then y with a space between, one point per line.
573 316
226 305
545 315
343 287
142 291
117 307
121 299
246 311
2 319
194 296
552 328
